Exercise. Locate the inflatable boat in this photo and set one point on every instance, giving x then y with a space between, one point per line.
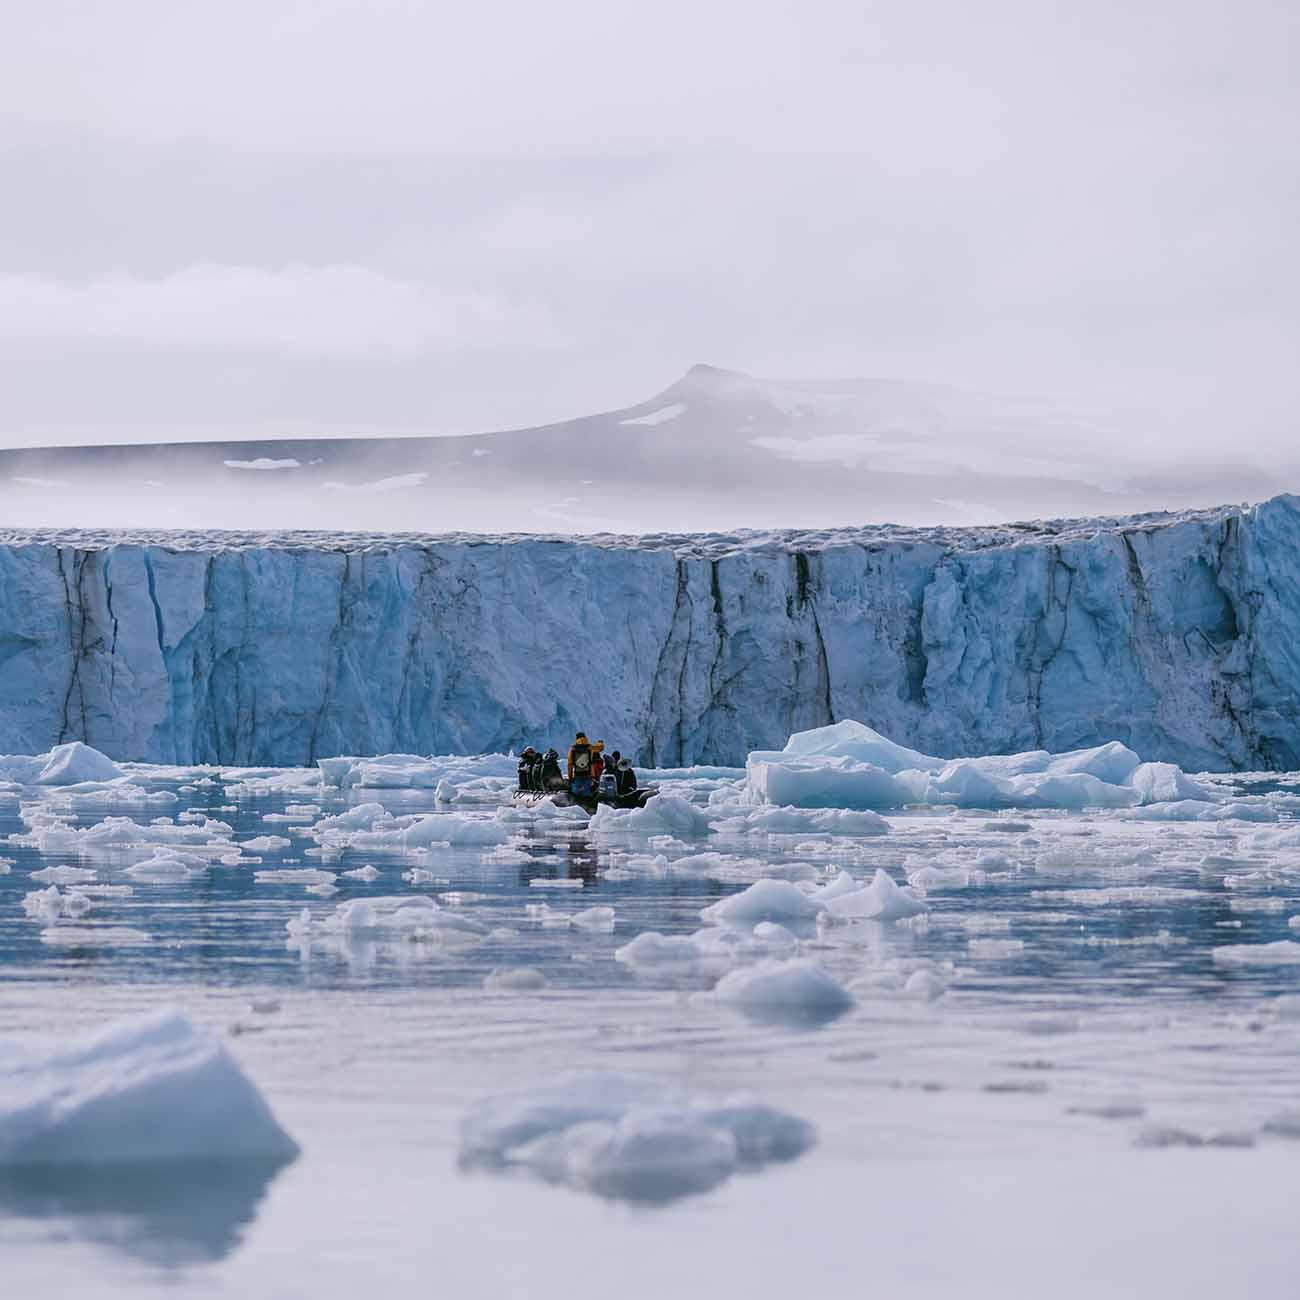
565 798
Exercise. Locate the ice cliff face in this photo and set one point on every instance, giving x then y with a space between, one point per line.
1176 634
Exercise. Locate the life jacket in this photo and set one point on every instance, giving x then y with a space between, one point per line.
581 760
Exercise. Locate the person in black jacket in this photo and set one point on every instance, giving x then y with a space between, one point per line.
528 768
626 778
551 778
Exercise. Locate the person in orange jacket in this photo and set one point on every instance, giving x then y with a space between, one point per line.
582 754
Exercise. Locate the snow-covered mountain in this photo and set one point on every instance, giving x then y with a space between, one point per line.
715 450
1177 634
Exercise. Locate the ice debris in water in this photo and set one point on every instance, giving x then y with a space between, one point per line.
881 900
666 814
765 900
152 1088
411 771
788 992
50 905
654 953
63 875
850 766
628 1138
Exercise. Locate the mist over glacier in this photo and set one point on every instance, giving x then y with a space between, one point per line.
717 449
1175 634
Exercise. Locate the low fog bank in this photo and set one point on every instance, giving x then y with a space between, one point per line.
716 450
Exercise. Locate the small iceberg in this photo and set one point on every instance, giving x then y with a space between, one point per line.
850 766
628 1138
143 1090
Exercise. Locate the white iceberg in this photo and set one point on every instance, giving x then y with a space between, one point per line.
765 900
850 766
153 1088
627 1137
795 992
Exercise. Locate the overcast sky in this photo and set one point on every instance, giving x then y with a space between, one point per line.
328 216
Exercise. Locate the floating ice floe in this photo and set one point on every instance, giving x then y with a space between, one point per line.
68 764
628 1138
765 900
166 866
672 956
850 766
154 1088
431 830
775 820
787 992
666 814
412 771
61 935
881 900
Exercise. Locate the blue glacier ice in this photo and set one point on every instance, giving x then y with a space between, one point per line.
1177 635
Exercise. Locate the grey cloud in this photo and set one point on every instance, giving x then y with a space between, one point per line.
543 211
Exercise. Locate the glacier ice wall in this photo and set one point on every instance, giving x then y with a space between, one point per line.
1176 634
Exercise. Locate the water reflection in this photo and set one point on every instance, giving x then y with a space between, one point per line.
162 1214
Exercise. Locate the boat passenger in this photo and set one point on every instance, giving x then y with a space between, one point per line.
597 761
626 778
528 765
549 775
580 758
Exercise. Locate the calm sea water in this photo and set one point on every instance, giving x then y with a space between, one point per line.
1092 1080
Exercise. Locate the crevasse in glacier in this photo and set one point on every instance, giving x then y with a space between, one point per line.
1178 635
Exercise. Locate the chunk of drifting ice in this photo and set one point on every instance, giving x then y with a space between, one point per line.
826 783
505 854
792 992
76 762
881 900
851 766
594 919
665 814
165 867
63 875
1165 783
94 936
628 1138
854 740
842 883
399 913
44 904
294 876
764 900
779 820
651 951
264 844
1284 952
927 878
362 873
452 828
152 1088
360 818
